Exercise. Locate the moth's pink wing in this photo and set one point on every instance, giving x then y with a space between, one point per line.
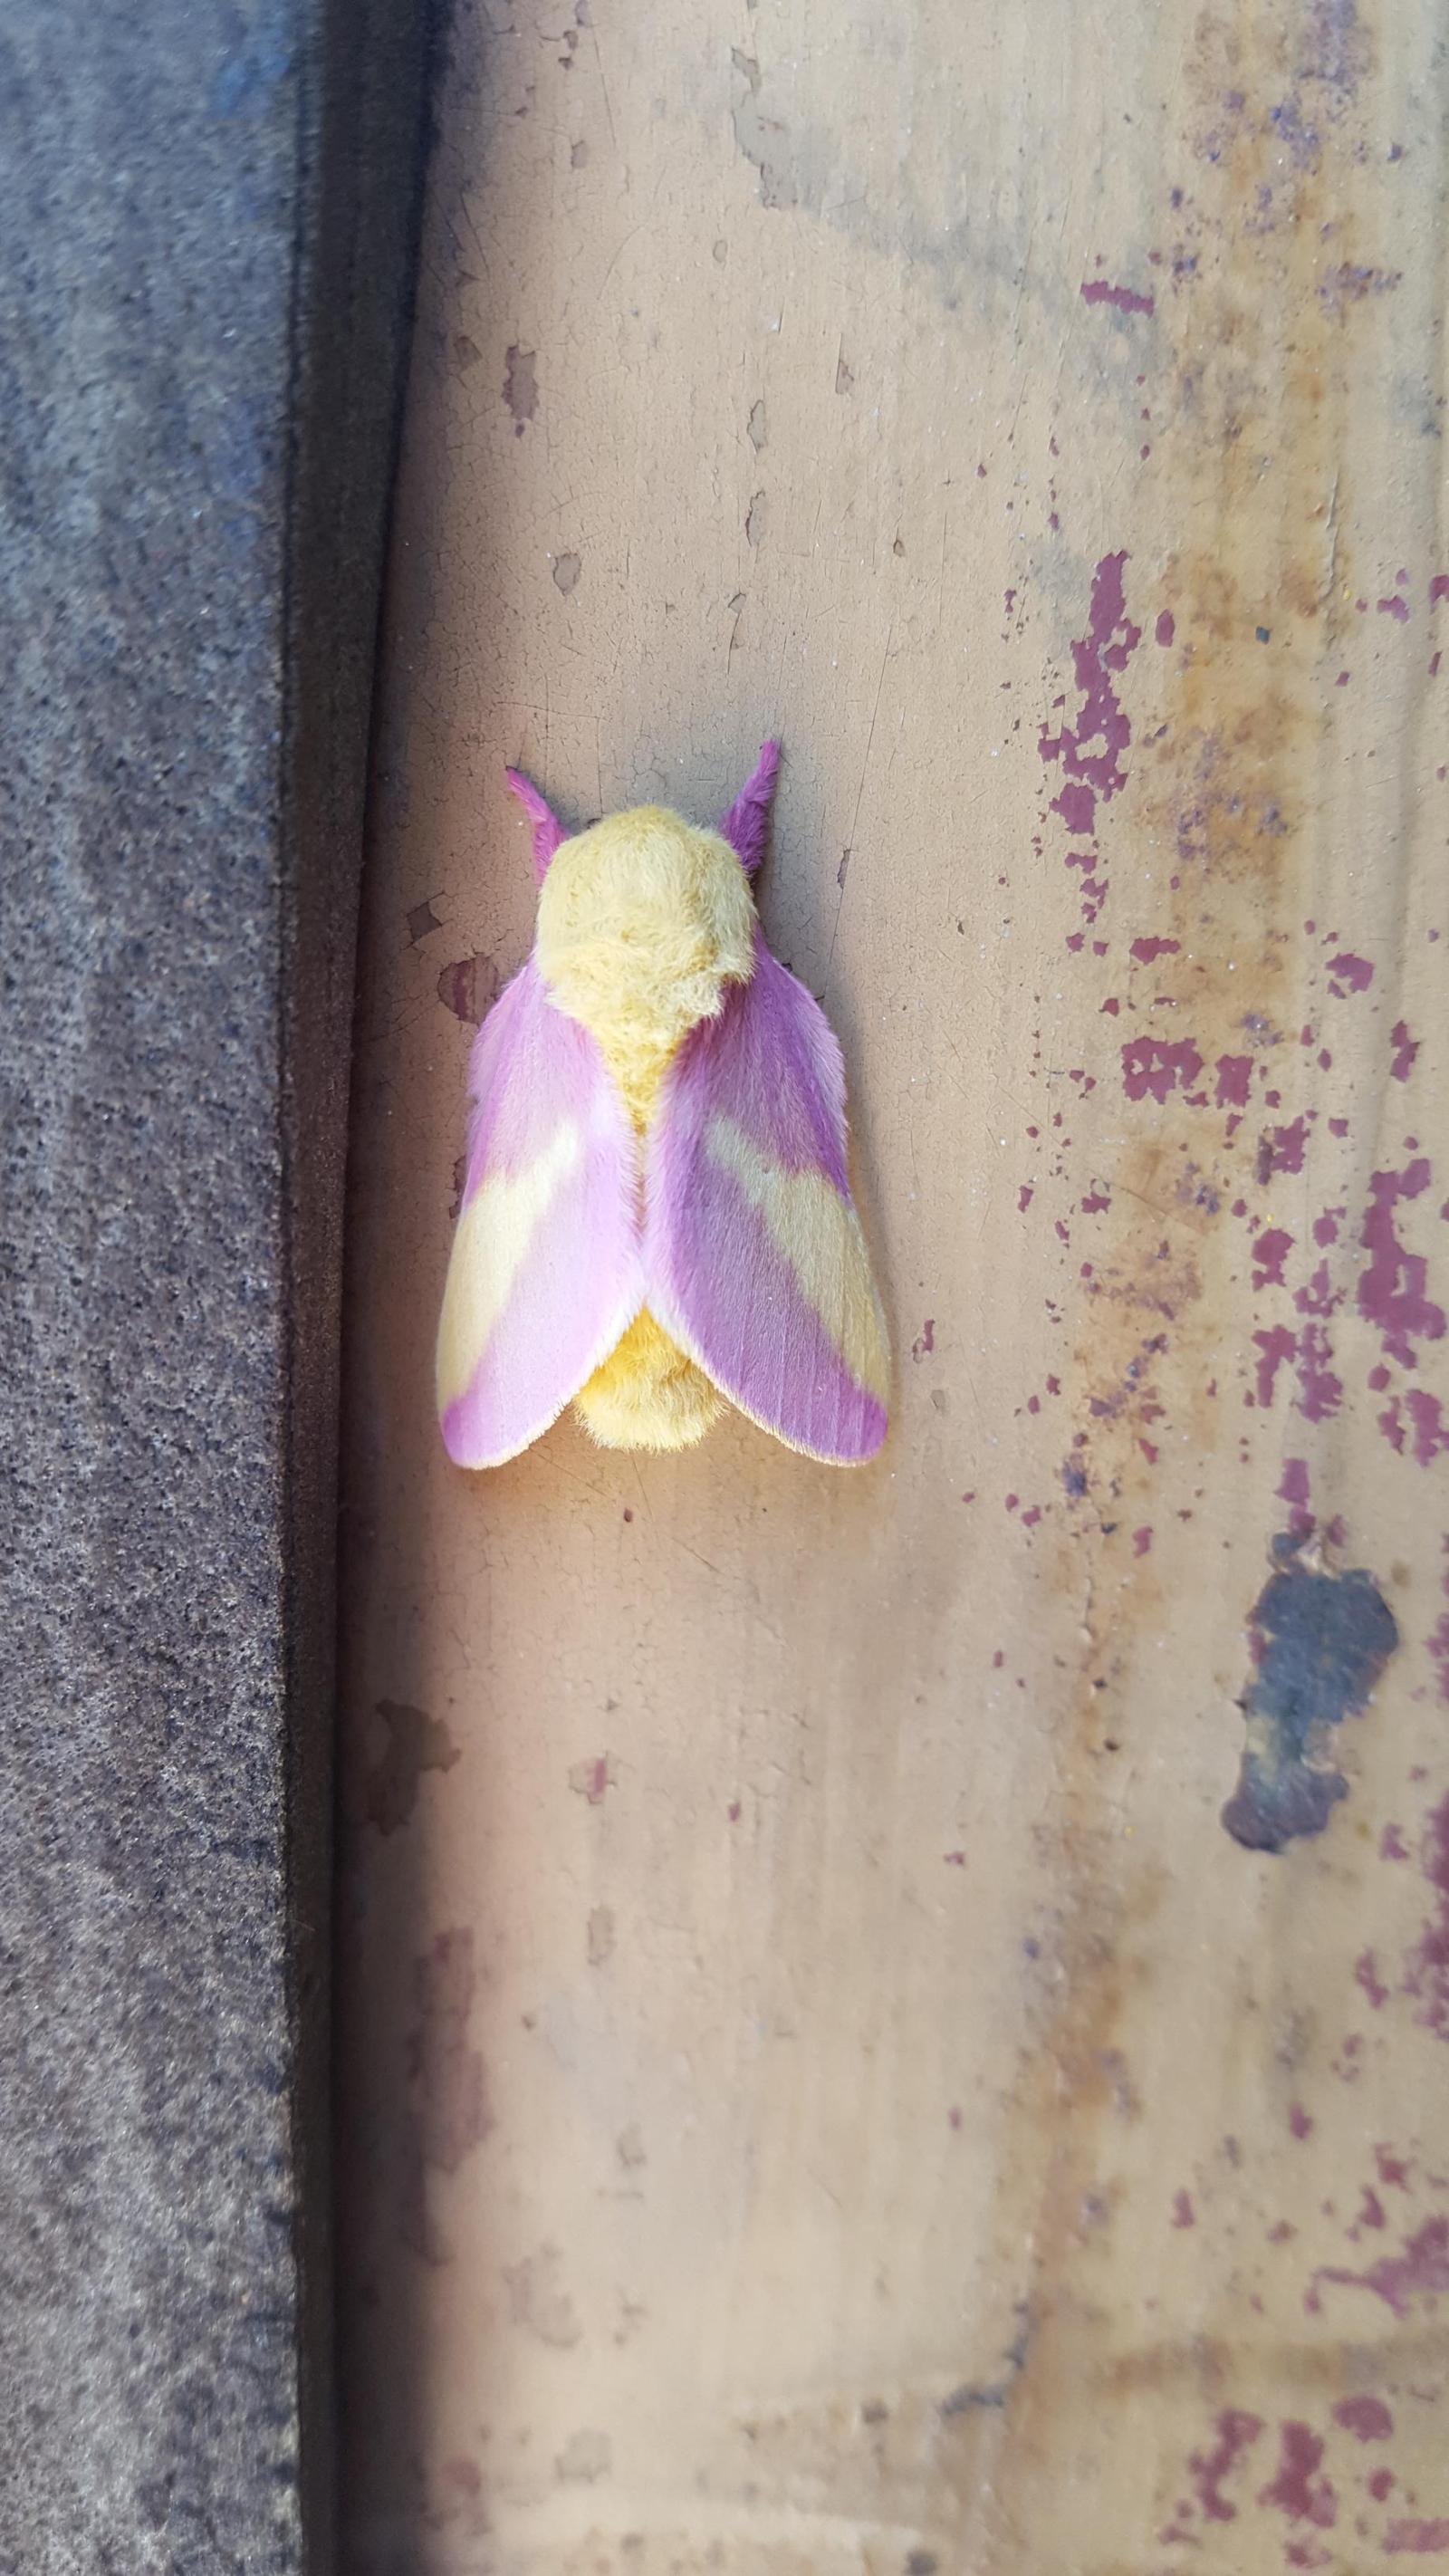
546 1269
755 1258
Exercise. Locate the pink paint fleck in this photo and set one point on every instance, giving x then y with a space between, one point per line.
1147 951
1024 1198
1395 608
1427 1966
1236 2432
1371 2212
1392 1846
1367 2418
955 1859
1439 587
1296 2488
1391 1424
1416 2538
1012 1500
1275 1346
1318 1296
1077 806
1366 1975
1234 1073
1282 1149
1166 626
1325 1227
1111 1006
1393 2171
1293 1485
1299 2121
1320 1391
925 1341
1431 1432
1153 1067
1090 750
1124 299
1405 1051
467 987
591 1779
1141 1542
1391 1289
1349 974
1269 1254
1182 2210
1421 2269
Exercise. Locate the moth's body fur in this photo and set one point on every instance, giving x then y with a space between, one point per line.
642 921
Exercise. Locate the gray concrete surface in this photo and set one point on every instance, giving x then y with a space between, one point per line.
208 220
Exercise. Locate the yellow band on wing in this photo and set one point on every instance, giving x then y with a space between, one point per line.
490 1248
819 1234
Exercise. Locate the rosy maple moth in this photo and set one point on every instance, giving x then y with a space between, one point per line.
656 1217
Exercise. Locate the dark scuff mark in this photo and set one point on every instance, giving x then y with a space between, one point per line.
416 1743
422 922
520 386
1320 1642
449 2086
990 2393
764 140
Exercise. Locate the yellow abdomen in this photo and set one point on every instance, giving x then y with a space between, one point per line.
641 922
648 1394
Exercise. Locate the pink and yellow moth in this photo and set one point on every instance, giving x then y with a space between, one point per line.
656 1218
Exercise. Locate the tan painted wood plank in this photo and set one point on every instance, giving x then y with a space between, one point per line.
822 2089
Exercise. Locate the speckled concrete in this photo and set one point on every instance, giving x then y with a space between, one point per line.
208 227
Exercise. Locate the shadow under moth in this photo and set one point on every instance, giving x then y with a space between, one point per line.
656 1218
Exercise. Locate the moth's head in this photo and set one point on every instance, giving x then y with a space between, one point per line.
644 918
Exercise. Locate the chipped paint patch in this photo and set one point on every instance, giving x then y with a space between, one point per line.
1320 1643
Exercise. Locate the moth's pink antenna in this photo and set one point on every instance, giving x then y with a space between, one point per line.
548 831
748 820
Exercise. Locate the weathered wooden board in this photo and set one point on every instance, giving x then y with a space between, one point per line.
824 2090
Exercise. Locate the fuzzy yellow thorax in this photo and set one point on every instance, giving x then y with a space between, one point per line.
642 921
